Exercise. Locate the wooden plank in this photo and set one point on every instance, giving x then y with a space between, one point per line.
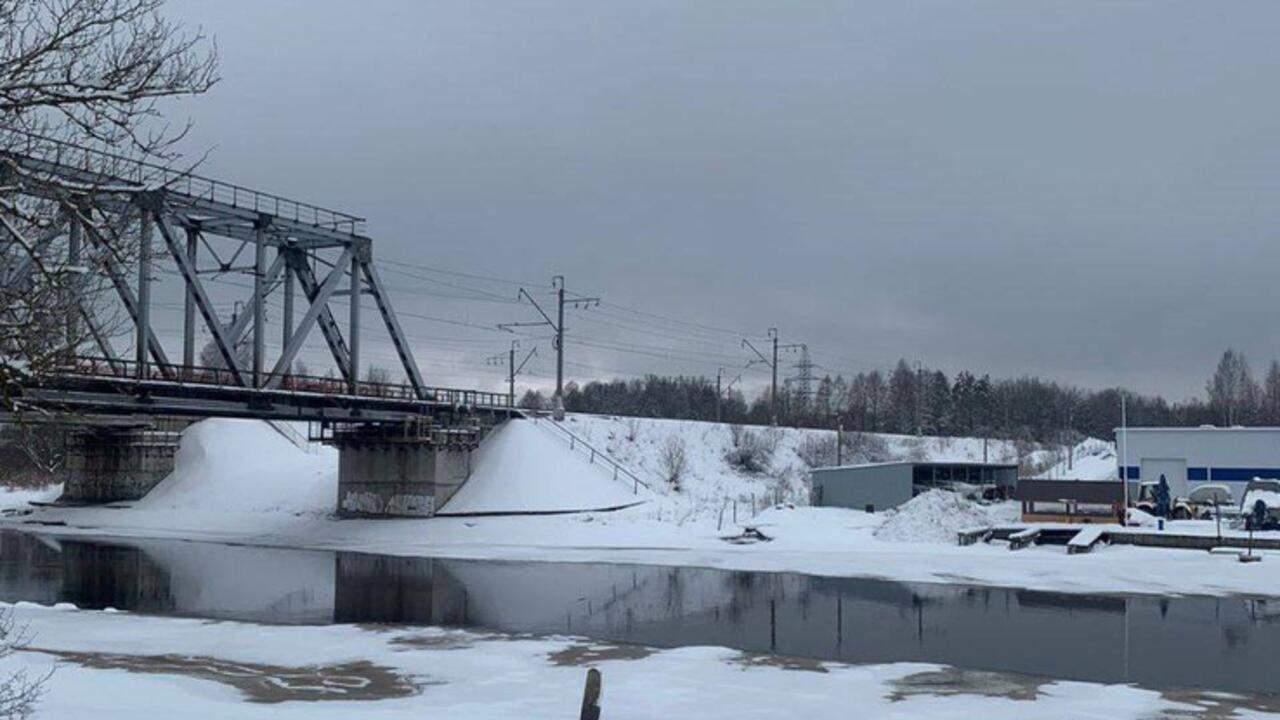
1084 540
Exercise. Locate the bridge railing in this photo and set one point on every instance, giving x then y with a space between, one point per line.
221 377
105 168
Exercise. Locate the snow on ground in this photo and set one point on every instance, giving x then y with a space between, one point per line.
709 483
521 467
117 665
11 497
1092 459
244 466
239 481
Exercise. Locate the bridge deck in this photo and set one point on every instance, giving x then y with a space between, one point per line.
102 387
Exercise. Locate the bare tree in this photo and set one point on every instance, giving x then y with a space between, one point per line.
377 375
1233 394
77 73
211 356
80 79
675 461
751 453
95 71
19 691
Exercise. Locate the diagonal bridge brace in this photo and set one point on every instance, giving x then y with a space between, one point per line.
221 339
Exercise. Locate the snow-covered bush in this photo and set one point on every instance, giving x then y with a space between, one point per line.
817 451
752 452
674 461
866 447
914 450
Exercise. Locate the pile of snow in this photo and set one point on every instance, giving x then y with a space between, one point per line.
1140 518
225 465
522 467
937 515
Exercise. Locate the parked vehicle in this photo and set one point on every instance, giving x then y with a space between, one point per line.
1260 504
1151 502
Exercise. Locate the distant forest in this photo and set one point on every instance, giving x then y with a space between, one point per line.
925 401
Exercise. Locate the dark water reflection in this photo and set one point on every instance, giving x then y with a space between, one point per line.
1220 643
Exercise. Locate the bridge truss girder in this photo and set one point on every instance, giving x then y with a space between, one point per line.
178 225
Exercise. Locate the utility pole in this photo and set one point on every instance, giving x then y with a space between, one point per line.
839 444
773 365
719 414
721 393
512 369
556 326
1124 454
919 399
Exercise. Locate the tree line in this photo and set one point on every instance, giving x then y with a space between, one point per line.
922 400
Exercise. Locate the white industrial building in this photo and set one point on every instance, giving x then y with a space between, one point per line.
1191 456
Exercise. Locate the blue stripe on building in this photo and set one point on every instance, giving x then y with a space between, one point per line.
1244 474
1217 474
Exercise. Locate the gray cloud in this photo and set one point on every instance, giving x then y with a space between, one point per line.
1081 190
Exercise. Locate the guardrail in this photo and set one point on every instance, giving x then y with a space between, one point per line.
577 444
221 377
110 167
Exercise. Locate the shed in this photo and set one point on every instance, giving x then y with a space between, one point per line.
879 486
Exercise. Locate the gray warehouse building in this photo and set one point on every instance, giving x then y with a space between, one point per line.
879 486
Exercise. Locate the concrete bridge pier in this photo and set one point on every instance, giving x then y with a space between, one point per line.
117 463
400 469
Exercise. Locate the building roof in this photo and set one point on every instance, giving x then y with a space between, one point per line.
1201 428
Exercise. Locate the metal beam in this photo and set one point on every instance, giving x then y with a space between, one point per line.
259 300
189 305
75 242
116 274
353 325
100 337
328 326
23 269
398 339
118 193
241 322
143 323
287 319
319 305
201 299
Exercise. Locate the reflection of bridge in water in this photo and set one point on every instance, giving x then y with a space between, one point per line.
113 211
1221 643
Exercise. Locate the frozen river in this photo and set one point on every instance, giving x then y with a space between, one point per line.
1223 643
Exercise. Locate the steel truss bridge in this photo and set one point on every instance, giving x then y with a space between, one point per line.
195 227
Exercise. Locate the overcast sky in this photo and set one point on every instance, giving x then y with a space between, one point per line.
1087 191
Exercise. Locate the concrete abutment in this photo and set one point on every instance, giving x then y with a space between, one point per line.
113 463
395 470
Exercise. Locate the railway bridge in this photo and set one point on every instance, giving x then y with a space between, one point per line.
404 448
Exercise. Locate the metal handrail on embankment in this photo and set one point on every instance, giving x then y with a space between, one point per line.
577 444
288 432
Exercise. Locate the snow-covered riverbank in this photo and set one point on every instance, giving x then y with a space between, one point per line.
246 484
241 670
